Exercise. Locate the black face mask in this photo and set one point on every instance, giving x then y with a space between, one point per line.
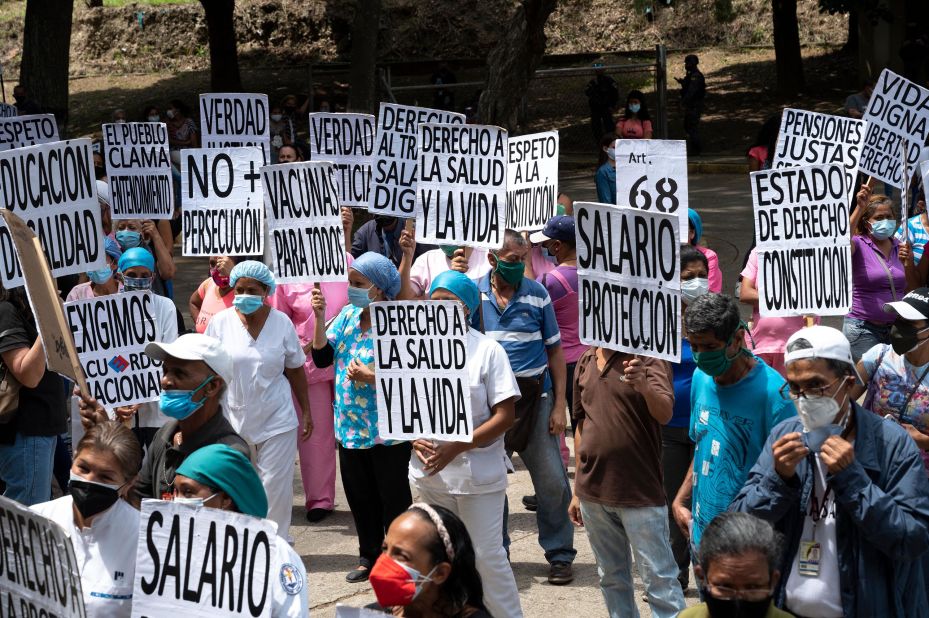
735 608
904 336
91 498
99 172
19 99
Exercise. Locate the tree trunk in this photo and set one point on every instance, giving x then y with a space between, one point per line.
851 43
512 63
788 60
46 48
362 94
224 59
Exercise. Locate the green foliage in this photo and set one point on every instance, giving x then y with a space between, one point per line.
116 3
871 10
723 11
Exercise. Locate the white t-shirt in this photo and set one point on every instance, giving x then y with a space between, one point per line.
818 597
105 554
289 594
480 470
258 400
432 263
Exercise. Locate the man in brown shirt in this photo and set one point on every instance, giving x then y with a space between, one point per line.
620 403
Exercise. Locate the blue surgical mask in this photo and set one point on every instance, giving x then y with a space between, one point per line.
611 153
100 276
548 255
128 239
359 297
247 304
179 404
634 108
883 229
135 284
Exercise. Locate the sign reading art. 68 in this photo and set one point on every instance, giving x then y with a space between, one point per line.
651 175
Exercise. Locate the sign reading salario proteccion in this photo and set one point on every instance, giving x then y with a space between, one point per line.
803 240
629 278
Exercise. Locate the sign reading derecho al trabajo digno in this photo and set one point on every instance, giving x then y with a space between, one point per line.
235 120
629 279
803 240
139 170
307 242
347 141
420 370
532 180
39 574
52 188
202 562
461 193
223 204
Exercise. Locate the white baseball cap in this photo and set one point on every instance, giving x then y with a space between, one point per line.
195 346
914 306
824 342
103 191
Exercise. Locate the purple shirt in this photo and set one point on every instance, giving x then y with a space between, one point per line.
870 284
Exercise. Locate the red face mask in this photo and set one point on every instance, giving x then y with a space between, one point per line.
218 278
395 584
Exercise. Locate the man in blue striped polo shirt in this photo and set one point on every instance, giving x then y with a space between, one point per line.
517 312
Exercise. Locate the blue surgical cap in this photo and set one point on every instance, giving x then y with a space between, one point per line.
697 223
458 284
380 271
111 247
221 467
137 256
253 269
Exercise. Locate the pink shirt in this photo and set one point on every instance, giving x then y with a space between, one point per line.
715 275
83 291
540 265
433 263
212 303
632 128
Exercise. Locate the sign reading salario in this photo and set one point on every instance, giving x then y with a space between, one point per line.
651 175
305 234
347 140
532 180
139 170
203 562
223 204
234 120
39 574
420 368
461 194
803 240
629 277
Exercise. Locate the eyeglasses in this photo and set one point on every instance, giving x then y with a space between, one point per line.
745 594
806 393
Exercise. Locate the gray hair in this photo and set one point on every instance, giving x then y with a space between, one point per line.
734 534
713 312
511 239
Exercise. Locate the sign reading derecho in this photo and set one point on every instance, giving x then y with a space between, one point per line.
347 140
7 110
461 193
139 170
532 180
393 185
898 110
203 562
307 242
20 131
110 334
223 206
232 120
803 241
420 367
810 138
40 575
629 278
651 175
53 189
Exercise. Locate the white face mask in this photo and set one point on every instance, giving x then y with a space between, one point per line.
276 117
692 289
194 502
817 415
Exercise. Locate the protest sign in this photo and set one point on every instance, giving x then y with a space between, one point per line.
234 120
203 562
39 574
60 352
305 234
651 175
223 210
344 611
809 138
420 369
532 180
803 241
898 110
138 169
110 334
347 140
53 189
20 131
461 193
7 110
393 184
629 277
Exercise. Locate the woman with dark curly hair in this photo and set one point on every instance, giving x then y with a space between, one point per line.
427 569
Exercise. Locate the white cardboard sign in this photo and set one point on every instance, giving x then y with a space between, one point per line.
532 181
138 169
651 175
234 120
347 140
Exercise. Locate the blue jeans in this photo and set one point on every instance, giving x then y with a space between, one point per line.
26 468
863 335
611 531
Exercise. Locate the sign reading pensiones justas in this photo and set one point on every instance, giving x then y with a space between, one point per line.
347 141
803 240
629 278
420 370
532 180
138 170
203 562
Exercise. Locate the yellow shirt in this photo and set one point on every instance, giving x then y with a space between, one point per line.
701 611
